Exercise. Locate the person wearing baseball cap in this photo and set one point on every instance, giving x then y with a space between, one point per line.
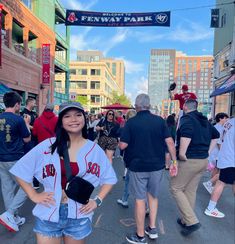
182 97
185 95
49 162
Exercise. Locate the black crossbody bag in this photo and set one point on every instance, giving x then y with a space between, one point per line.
77 188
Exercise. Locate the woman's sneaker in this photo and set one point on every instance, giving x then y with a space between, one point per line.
7 220
122 203
19 220
151 232
133 238
214 213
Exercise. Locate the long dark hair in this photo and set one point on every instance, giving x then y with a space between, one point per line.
170 121
62 137
106 116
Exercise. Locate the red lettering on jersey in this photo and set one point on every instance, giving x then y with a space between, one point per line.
48 170
94 169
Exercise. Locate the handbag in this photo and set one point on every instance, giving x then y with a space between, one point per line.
77 188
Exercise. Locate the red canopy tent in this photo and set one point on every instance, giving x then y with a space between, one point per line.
117 106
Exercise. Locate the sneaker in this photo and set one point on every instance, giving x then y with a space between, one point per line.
214 213
151 232
133 238
122 203
208 186
19 220
7 220
189 229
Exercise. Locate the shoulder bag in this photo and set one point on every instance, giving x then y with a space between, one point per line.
77 188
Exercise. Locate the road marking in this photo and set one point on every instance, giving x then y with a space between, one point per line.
161 227
127 222
98 220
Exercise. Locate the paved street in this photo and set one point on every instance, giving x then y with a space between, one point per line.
111 222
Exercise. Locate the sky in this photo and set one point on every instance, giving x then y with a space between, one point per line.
189 32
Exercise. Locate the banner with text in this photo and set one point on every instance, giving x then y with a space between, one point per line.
45 63
86 18
215 18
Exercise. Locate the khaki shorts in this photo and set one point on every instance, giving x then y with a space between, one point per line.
143 182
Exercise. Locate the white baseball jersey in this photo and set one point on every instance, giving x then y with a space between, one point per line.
226 156
214 153
39 162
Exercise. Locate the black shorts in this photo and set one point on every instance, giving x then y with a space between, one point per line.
227 175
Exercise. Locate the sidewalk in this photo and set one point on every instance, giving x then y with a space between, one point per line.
111 222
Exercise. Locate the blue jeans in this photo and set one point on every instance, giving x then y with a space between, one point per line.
126 187
77 229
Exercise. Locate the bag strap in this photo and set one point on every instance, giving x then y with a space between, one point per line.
47 129
67 164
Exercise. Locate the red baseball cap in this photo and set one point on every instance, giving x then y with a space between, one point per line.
184 87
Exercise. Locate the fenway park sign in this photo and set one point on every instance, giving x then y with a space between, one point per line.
86 18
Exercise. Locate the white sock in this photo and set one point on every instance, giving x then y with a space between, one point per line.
211 205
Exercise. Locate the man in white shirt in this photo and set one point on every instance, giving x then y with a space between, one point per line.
226 164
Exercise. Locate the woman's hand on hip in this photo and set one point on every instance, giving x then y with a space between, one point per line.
89 207
44 198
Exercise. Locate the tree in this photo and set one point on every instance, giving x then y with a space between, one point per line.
122 99
83 100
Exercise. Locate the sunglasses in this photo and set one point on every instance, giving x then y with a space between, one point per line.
111 114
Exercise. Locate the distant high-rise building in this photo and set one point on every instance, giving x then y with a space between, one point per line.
170 65
195 71
161 74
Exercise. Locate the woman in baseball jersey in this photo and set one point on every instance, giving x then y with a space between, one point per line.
58 217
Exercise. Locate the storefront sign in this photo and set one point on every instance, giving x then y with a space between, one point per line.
86 18
45 63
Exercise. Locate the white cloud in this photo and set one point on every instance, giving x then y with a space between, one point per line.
185 32
77 5
131 67
191 33
142 85
119 37
79 42
136 86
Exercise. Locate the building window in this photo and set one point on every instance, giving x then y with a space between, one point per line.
95 99
95 71
78 84
95 85
72 71
114 69
58 84
82 71
223 20
27 3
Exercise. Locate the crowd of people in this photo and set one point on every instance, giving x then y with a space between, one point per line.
41 150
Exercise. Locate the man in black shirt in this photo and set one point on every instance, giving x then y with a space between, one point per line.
145 136
195 138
